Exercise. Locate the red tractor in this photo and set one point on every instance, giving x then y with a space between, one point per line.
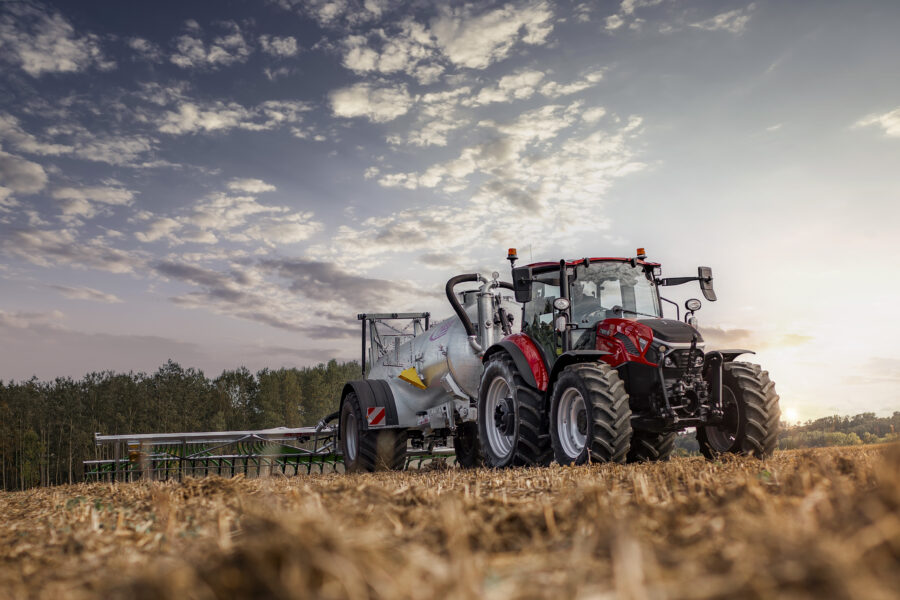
597 374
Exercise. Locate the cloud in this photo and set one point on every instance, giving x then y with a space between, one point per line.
54 248
889 122
477 41
103 194
158 228
227 49
335 13
145 49
733 21
21 176
516 86
279 46
406 47
40 43
250 186
192 117
379 104
86 293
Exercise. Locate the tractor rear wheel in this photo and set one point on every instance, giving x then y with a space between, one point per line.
590 418
367 450
751 418
647 446
467 446
512 428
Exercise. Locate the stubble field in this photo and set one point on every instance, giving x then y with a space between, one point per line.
804 524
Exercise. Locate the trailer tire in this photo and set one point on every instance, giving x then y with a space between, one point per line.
648 446
590 418
467 446
512 425
751 413
367 450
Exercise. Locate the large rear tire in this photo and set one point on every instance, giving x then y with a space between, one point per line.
751 415
647 446
367 450
589 415
512 427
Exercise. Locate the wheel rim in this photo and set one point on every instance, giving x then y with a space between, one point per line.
721 437
499 416
351 436
571 423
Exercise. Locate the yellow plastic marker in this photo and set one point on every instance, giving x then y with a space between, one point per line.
411 377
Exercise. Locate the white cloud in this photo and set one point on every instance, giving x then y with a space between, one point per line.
52 248
516 86
476 41
406 47
47 43
103 194
889 122
289 229
11 130
145 49
552 89
279 46
378 104
161 227
224 50
733 21
21 176
86 293
191 117
250 186
592 115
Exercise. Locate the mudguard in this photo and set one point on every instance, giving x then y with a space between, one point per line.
575 356
373 393
732 353
527 357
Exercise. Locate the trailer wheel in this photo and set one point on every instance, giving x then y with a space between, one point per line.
367 450
467 446
590 415
751 414
647 446
512 427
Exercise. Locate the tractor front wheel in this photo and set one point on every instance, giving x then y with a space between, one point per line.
589 415
647 446
750 424
366 450
511 426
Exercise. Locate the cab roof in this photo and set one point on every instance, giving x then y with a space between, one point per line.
574 263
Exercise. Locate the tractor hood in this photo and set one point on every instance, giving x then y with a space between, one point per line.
671 331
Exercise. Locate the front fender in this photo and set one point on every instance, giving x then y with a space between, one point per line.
572 357
372 393
732 353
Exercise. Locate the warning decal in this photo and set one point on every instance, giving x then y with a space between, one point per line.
375 416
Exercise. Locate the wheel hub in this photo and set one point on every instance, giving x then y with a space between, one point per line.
504 417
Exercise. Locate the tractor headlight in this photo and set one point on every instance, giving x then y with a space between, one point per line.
698 361
561 304
669 362
692 304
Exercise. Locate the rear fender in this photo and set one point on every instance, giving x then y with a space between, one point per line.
527 358
372 394
574 356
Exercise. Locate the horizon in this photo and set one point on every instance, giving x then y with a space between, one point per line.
232 185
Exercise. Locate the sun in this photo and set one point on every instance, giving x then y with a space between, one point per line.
790 415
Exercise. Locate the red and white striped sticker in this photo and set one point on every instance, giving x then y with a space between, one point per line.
375 416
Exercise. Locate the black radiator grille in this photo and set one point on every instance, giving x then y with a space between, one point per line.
630 348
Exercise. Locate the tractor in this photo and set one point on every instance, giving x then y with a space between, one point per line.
573 361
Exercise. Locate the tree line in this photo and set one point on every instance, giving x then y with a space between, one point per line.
836 430
47 428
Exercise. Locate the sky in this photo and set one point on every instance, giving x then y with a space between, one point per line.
230 183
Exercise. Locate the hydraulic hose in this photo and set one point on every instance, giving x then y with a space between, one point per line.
454 302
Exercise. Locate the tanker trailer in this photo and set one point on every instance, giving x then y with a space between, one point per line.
422 386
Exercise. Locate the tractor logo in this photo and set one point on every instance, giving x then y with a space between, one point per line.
375 416
441 331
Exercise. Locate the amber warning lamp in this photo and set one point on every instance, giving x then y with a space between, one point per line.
641 254
512 257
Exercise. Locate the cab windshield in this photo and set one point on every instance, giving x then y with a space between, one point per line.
599 288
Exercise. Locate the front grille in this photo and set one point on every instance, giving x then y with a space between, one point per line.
630 348
681 358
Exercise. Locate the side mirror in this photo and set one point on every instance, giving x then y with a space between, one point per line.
706 283
521 280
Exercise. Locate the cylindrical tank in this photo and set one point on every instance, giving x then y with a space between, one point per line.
444 358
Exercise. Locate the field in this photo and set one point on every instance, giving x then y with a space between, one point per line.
805 524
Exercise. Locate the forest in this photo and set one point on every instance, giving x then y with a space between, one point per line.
47 428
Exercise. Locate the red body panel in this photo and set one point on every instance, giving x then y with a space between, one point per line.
534 358
635 331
